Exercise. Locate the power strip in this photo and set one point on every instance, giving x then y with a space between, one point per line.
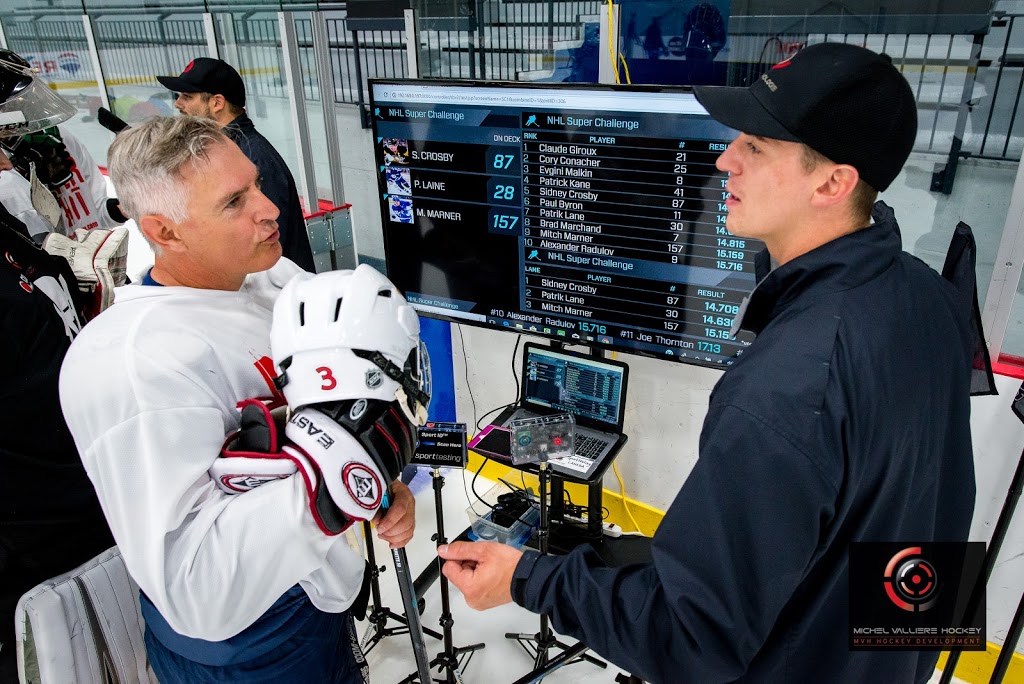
609 529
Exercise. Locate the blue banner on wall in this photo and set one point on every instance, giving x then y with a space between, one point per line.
437 335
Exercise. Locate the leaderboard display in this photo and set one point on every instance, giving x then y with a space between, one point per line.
586 214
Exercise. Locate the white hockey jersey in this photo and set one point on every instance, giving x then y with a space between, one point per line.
84 197
149 390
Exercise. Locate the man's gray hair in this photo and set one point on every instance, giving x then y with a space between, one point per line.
147 161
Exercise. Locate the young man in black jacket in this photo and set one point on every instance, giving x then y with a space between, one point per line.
212 89
846 420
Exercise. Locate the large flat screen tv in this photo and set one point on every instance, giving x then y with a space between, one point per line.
582 213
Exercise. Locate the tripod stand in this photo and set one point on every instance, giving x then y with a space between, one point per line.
379 614
538 644
451 660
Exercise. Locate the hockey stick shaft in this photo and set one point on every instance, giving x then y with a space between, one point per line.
412 613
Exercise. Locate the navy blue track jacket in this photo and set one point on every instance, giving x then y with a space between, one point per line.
847 419
279 187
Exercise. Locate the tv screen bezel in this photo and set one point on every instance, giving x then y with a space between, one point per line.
596 87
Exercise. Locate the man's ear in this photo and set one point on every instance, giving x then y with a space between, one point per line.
161 232
217 103
836 186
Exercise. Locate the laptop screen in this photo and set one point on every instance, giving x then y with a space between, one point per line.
592 389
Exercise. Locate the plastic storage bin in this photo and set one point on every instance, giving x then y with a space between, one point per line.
484 528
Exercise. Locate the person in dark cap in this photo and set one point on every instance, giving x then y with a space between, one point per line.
846 419
213 89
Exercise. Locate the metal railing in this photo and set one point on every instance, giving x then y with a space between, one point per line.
936 66
501 40
504 40
512 39
967 88
359 55
1001 77
257 43
43 41
136 51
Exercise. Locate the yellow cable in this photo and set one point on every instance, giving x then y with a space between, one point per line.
626 67
615 468
611 50
625 504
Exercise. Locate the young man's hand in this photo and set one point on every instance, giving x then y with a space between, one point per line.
482 571
398 525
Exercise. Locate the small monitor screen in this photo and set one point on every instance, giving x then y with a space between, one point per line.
586 387
586 214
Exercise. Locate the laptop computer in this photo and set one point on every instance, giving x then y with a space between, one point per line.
561 381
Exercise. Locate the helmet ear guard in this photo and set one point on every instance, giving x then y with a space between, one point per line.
347 335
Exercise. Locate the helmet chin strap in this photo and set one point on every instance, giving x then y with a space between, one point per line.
406 382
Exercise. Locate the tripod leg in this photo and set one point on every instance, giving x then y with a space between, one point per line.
448 659
1009 644
558 661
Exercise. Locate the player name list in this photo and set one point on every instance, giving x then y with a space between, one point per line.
607 216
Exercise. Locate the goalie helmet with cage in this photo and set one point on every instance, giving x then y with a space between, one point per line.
350 335
27 105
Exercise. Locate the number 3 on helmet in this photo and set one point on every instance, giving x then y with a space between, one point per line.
349 335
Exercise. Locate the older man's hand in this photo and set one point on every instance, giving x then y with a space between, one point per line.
398 524
482 571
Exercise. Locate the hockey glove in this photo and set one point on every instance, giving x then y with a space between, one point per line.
347 452
355 449
47 151
252 456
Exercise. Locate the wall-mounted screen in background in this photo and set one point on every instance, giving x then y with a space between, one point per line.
586 214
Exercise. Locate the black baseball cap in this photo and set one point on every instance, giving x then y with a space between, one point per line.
846 102
208 75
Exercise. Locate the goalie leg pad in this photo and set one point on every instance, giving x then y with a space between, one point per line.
98 257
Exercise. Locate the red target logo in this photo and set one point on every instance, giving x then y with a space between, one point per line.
911 582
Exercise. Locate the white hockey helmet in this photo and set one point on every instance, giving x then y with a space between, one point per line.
349 335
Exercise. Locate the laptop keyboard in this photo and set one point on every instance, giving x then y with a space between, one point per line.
587 449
